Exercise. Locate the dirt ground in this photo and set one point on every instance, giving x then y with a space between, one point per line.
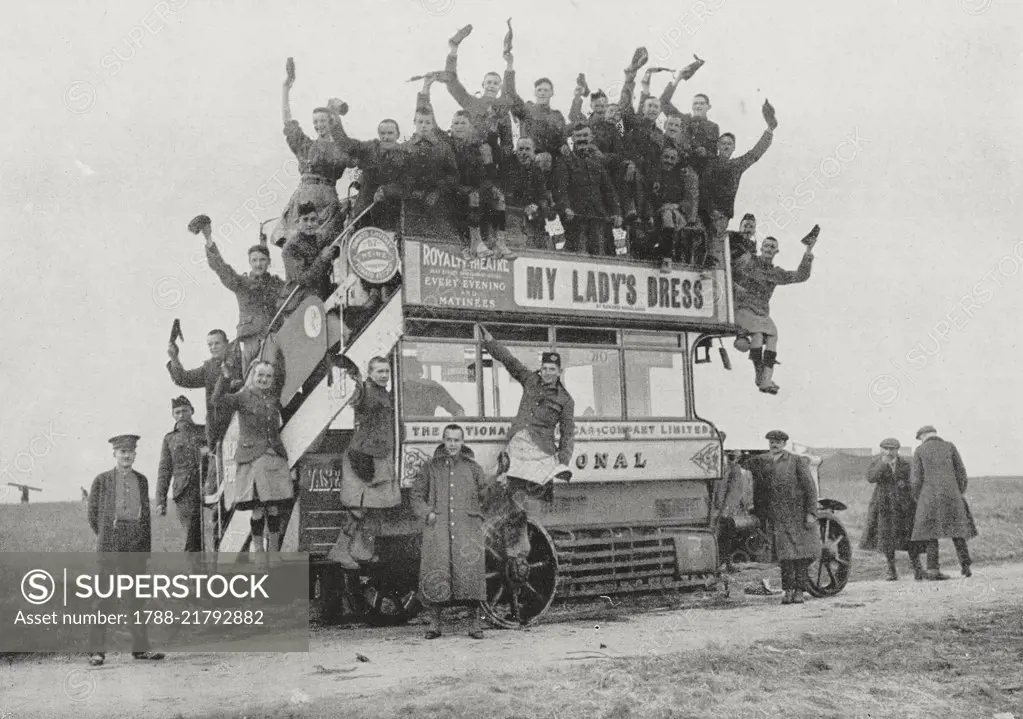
200 684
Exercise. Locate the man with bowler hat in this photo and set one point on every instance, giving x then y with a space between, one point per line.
891 510
784 494
938 478
183 458
119 517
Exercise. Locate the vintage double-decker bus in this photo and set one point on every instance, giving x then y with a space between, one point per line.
636 514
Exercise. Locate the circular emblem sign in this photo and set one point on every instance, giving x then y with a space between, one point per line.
312 321
373 255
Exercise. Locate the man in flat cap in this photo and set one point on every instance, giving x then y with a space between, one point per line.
938 478
258 293
785 495
535 457
119 517
892 510
183 458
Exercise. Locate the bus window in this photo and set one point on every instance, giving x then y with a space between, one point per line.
438 380
501 393
593 378
654 385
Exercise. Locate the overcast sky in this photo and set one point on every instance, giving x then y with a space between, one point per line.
899 133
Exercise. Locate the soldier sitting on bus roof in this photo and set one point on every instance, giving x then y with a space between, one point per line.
382 162
305 263
432 173
535 459
753 289
609 141
719 180
525 186
487 112
586 196
672 189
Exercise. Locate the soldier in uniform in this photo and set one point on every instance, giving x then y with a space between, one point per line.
120 519
939 482
754 287
534 457
183 459
368 479
449 494
891 510
784 494
205 376
258 293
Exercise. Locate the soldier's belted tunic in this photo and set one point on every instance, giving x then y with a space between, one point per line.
756 285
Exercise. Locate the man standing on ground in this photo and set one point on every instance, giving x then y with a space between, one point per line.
119 517
891 510
784 494
182 459
939 479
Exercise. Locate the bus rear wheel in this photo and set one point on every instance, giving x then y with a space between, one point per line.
519 593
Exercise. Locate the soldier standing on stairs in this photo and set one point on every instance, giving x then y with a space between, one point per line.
891 510
753 289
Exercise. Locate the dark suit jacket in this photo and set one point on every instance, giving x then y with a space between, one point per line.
115 536
259 421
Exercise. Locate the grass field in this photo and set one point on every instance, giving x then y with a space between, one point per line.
965 668
996 502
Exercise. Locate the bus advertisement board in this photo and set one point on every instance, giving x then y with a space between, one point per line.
436 275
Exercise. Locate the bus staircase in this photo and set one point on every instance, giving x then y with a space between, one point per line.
315 355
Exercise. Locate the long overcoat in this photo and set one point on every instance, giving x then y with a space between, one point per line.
452 569
892 508
784 493
939 481
111 535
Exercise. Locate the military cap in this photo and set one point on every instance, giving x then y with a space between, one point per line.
749 216
778 435
198 223
924 430
181 401
552 357
890 443
125 441
262 249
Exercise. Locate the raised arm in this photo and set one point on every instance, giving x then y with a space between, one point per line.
187 378
231 279
669 91
746 161
455 87
788 277
575 112
499 352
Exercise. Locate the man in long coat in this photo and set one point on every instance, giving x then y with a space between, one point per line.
449 494
892 510
120 518
182 462
939 481
784 494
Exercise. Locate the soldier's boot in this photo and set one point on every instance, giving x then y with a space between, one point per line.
892 573
501 248
479 247
918 567
475 628
756 356
766 383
